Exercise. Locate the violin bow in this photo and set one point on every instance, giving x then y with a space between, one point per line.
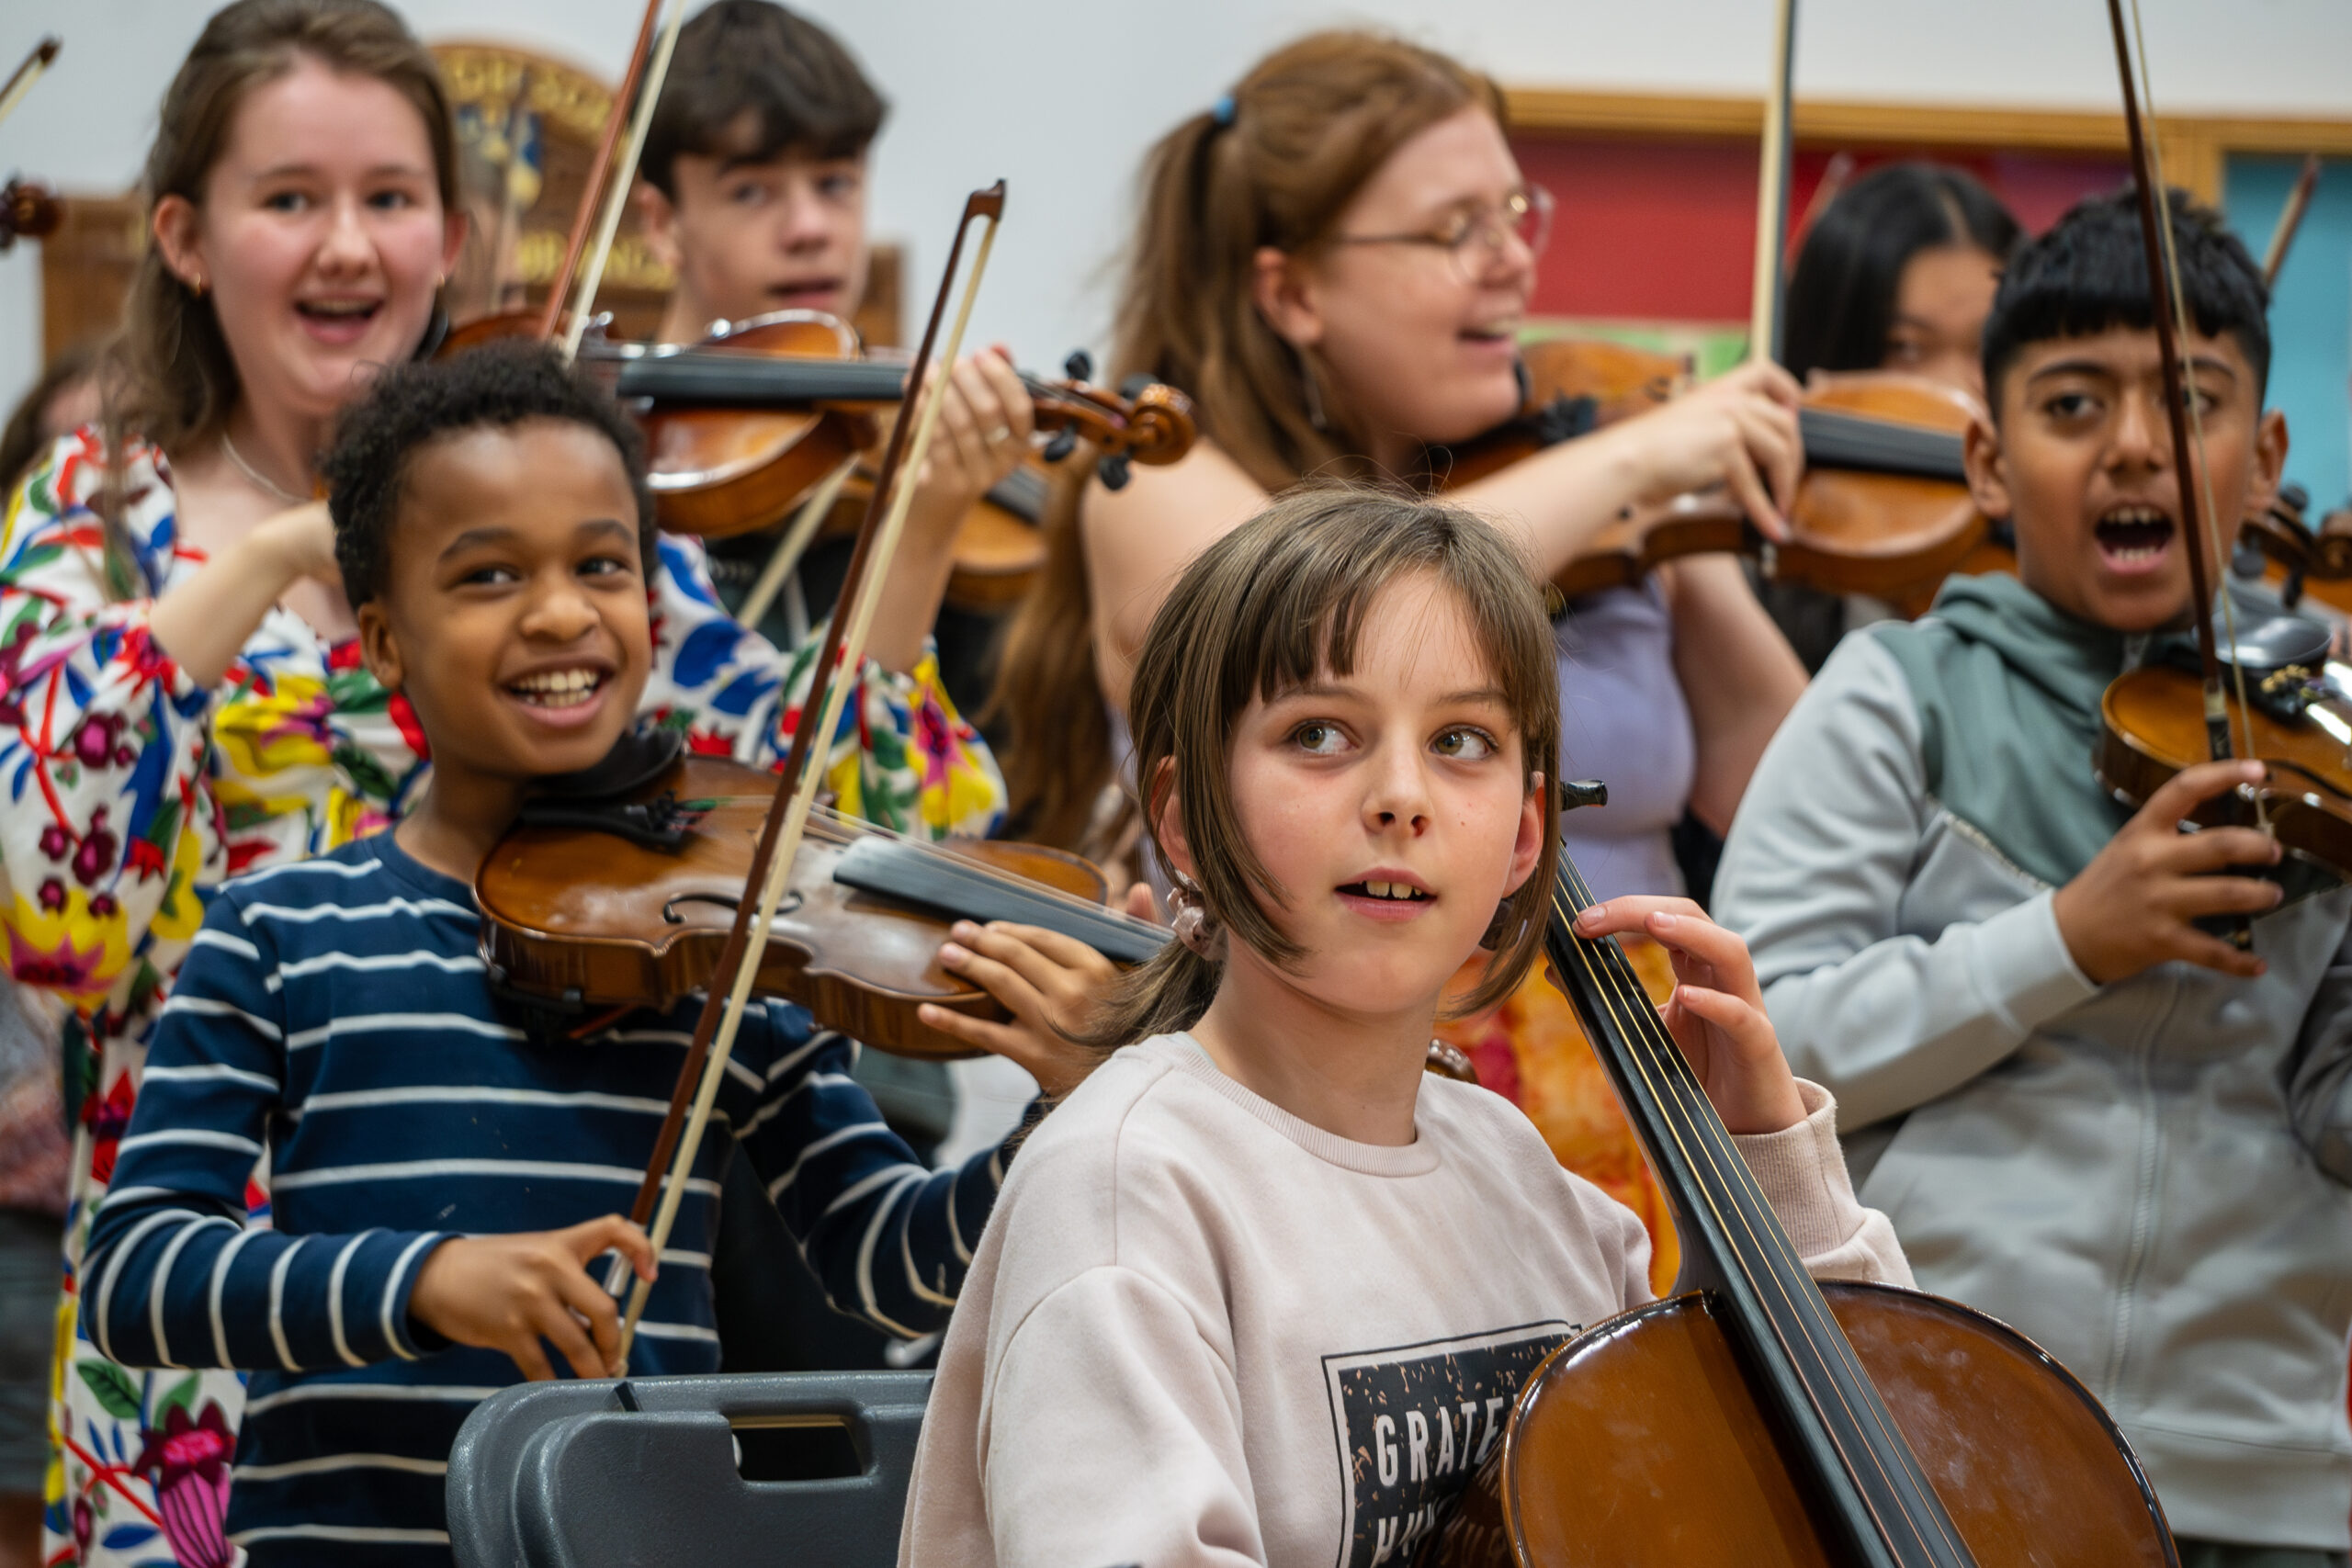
606 196
1772 194
2167 306
836 674
2183 418
20 81
2290 219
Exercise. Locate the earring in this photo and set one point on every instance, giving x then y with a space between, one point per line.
1190 918
1314 395
196 285
1497 930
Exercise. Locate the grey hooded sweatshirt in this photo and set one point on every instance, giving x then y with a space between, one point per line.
2146 1177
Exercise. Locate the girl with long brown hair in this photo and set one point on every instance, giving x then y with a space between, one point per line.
1334 260
181 692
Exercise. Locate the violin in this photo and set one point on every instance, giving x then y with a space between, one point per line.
743 425
2279 545
2295 720
1762 1418
622 895
2271 694
28 212
1883 507
999 546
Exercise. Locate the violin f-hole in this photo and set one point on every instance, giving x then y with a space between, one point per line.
729 902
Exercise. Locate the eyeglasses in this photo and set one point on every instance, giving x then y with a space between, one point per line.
1473 237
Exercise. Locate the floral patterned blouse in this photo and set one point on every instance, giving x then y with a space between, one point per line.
128 791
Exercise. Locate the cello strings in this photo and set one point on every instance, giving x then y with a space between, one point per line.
1822 1337
1625 1004
1612 983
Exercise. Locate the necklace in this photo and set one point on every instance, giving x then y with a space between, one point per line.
261 480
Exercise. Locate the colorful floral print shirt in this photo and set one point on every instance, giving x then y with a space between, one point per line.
128 792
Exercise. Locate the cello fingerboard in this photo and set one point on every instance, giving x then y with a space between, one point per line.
1871 1489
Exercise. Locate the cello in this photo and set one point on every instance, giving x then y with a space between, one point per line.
1762 1418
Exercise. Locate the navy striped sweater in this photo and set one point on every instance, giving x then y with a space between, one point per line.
336 1016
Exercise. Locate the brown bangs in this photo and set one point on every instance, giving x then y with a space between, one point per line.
1274 605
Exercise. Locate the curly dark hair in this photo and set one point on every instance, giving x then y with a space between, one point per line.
408 405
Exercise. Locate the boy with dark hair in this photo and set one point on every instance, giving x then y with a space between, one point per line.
753 191
441 1182
2085 1115
754 169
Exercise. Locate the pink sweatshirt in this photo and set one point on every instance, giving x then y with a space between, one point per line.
1200 1330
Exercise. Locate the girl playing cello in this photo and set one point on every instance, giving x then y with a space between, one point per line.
1260 1290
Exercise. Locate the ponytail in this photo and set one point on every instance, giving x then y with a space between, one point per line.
1273 163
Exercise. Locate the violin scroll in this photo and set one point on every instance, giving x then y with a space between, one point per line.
1144 422
28 210
2280 533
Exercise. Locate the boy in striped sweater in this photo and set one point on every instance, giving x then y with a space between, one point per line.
443 1184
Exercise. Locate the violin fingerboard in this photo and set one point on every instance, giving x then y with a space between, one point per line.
916 874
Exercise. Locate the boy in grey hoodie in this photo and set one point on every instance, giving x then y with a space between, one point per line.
2085 1115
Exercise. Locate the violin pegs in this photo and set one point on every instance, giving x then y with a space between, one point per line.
1080 365
1113 471
1064 443
1133 387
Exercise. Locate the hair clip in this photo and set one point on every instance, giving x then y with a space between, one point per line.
1222 110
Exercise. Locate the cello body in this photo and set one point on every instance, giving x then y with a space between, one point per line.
1640 1441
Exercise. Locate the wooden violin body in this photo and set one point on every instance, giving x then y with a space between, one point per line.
2299 729
1641 1442
601 921
1883 507
999 546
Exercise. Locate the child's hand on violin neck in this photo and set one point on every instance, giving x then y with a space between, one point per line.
1051 983
1716 1013
984 429
2131 908
509 1292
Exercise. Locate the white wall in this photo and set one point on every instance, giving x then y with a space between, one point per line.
1061 100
